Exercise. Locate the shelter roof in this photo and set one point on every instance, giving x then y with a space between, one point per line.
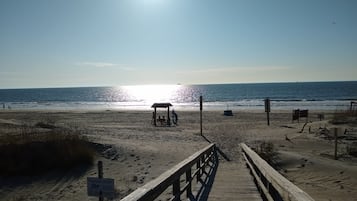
161 105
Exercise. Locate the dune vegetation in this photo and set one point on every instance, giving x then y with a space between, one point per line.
32 152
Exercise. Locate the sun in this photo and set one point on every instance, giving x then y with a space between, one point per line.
152 93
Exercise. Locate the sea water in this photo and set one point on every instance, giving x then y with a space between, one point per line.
283 96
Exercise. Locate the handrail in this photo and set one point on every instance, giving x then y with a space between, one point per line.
272 184
154 188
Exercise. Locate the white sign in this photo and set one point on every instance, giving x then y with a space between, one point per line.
104 185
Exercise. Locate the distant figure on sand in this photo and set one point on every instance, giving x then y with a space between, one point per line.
174 117
3 106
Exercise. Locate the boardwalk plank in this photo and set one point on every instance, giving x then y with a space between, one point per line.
233 182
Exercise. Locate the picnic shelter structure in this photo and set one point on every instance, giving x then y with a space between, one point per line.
162 121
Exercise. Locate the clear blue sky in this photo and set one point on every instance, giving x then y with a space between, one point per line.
62 43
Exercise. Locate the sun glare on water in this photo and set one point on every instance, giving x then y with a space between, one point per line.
152 93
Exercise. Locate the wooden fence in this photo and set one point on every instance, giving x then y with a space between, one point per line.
156 187
272 185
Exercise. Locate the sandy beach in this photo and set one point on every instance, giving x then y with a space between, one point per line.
134 151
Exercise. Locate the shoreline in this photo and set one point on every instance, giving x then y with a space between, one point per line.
148 109
243 105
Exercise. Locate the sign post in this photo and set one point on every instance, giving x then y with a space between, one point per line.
267 109
335 130
201 113
101 187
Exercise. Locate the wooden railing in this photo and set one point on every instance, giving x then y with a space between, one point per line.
272 185
156 187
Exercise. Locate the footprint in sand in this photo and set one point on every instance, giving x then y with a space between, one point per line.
137 158
141 180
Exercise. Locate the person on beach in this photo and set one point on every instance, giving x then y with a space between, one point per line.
174 117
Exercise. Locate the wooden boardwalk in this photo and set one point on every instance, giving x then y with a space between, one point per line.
220 180
233 182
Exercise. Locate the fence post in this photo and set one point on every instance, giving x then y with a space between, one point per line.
335 130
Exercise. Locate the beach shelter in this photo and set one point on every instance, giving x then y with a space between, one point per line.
161 105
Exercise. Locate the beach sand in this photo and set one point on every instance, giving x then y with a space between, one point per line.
135 152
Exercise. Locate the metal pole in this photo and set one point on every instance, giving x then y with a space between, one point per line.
267 109
335 131
201 113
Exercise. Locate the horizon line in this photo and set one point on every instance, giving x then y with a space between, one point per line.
180 84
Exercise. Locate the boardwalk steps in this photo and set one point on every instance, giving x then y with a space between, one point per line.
203 177
233 182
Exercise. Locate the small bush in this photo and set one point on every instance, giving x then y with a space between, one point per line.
266 151
352 149
42 153
344 117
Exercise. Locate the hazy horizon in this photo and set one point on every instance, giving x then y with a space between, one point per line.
180 84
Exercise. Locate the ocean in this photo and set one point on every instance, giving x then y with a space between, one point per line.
283 96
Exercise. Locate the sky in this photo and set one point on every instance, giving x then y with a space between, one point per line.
73 43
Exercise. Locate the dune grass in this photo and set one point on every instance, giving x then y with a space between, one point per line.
267 151
344 117
33 153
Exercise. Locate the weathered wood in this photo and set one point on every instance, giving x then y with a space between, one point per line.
233 182
154 188
260 183
189 182
287 190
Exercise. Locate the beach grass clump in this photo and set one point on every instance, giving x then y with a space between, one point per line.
352 149
344 117
267 151
34 154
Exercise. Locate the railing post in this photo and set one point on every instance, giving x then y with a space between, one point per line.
203 164
176 189
198 166
215 154
189 180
